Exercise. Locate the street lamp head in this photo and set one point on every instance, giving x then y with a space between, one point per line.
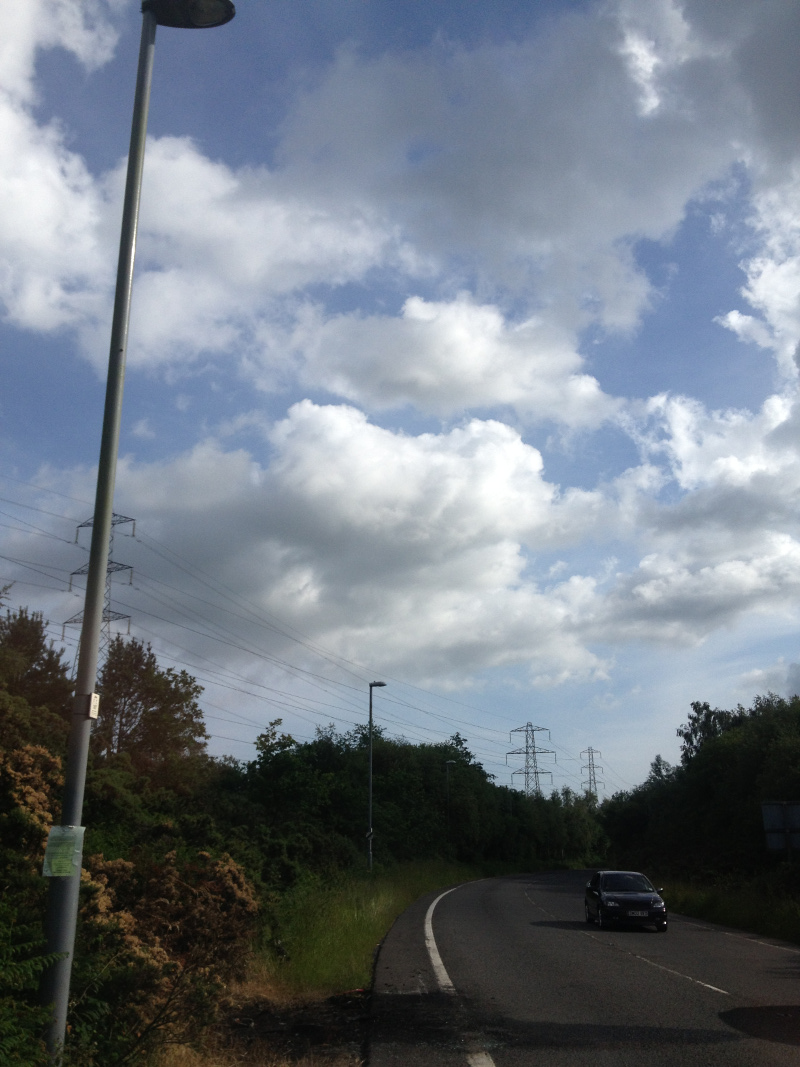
190 14
374 685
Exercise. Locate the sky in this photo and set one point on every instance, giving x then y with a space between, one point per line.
463 356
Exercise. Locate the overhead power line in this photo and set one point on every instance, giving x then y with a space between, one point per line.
344 696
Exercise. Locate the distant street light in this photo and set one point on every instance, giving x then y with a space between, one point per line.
447 765
63 862
372 685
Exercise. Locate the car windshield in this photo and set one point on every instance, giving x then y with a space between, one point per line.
626 883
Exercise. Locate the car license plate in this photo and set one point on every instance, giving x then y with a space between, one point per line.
638 914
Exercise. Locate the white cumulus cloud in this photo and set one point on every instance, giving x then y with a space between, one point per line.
450 357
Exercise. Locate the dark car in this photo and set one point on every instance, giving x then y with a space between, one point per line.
624 898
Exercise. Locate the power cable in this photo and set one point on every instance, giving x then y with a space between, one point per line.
253 613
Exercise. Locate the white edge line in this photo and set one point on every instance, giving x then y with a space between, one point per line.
700 925
442 977
475 1057
768 944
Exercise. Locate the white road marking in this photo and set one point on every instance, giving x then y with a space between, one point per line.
698 924
442 977
539 906
669 970
755 941
660 966
476 1057
480 1059
644 959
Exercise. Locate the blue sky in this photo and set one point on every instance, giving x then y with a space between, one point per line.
462 355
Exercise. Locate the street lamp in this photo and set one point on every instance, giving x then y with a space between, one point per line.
190 14
448 763
372 685
65 865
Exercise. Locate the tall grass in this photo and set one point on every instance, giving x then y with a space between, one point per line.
329 929
750 907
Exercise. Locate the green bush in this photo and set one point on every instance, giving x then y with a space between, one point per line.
22 961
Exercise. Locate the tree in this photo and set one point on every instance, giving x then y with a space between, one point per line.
30 667
704 724
704 817
661 771
31 677
147 714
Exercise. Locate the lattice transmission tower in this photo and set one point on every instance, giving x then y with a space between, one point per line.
112 567
532 771
591 768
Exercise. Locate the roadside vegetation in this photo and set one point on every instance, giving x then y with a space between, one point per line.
331 924
697 827
213 887
756 904
207 882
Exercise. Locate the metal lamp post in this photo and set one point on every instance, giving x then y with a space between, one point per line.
62 911
447 765
372 685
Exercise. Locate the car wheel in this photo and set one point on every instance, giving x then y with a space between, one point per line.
587 913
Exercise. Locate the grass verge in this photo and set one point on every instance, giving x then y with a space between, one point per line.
751 907
329 929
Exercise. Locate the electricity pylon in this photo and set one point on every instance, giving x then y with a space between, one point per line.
532 771
592 769
109 616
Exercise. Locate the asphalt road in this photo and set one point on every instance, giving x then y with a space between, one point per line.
514 976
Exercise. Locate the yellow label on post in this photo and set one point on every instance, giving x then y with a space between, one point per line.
62 857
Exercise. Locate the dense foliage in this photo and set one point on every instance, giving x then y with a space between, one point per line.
312 798
187 857
703 817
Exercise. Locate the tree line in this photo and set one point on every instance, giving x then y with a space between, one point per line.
702 818
186 855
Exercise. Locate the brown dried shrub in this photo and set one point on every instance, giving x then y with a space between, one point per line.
160 944
30 783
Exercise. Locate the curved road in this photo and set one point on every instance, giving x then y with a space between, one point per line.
511 975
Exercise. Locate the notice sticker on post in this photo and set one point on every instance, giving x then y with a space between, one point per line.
62 857
87 705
